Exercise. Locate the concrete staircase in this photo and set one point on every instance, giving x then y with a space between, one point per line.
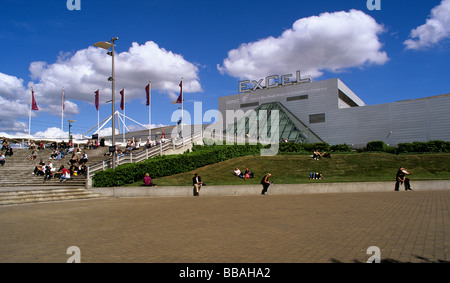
24 196
18 170
18 184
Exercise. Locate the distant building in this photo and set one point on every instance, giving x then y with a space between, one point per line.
328 111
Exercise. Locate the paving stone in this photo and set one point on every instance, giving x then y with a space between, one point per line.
232 229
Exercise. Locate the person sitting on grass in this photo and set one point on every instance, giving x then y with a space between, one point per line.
238 173
316 155
148 181
315 176
325 155
248 174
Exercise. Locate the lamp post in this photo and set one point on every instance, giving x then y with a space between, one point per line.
70 126
106 45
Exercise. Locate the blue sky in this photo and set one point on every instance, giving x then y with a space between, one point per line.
396 53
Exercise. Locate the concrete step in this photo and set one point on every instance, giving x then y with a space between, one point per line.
17 170
25 196
42 184
38 181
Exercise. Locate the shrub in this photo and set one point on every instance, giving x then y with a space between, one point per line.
340 148
172 164
430 146
376 146
405 147
303 147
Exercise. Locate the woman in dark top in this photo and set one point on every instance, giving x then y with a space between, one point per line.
265 183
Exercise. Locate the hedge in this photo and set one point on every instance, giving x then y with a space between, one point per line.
430 146
172 164
303 147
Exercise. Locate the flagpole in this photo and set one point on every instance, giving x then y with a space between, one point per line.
29 118
124 117
182 110
150 110
97 105
62 111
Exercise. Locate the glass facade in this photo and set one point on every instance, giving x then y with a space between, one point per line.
257 123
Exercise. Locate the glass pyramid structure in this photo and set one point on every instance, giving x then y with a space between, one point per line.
259 124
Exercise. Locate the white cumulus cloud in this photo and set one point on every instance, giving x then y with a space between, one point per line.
435 29
330 41
88 70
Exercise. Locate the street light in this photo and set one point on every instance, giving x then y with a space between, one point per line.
106 45
70 126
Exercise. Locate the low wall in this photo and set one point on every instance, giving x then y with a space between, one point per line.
275 189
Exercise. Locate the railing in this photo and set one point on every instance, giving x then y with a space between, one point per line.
173 144
145 154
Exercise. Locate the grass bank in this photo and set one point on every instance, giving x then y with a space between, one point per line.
293 169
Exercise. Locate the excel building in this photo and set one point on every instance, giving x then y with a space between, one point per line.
328 111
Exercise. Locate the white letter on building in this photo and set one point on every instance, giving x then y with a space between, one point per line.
243 86
285 80
268 85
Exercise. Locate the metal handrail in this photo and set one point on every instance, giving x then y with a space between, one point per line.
144 154
172 144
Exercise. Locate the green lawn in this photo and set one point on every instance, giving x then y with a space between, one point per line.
292 169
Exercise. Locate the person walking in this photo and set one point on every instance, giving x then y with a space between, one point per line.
401 178
197 183
265 183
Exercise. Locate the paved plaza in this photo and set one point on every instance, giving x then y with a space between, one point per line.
411 226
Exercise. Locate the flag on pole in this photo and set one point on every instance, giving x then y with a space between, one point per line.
180 98
62 111
63 106
96 99
122 101
147 90
33 102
